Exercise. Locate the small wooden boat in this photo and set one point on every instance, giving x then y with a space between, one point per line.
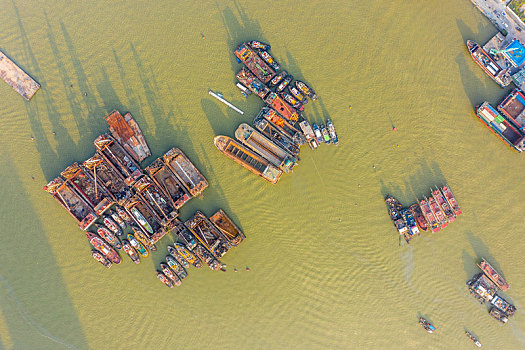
108 236
207 257
494 275
451 199
127 132
270 60
331 131
308 91
232 233
176 267
170 274
132 253
142 238
185 171
293 90
278 78
284 83
318 134
104 248
394 210
180 259
259 45
188 255
100 258
473 338
124 215
418 215
164 279
429 327
325 134
112 225
138 246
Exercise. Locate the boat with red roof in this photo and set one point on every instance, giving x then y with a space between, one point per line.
246 55
449 196
108 236
438 213
99 244
418 215
493 275
100 258
427 213
440 199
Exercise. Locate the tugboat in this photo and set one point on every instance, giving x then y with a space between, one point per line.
118 220
429 327
451 216
324 132
427 212
258 45
132 253
284 83
418 215
394 208
473 338
318 134
297 94
438 213
164 279
306 90
277 79
99 244
269 59
112 225
494 275
176 267
451 199
138 246
331 132
100 258
170 274
188 255
108 236
141 237
174 253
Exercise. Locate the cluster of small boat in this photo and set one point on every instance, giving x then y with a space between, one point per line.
271 146
432 213
430 328
485 286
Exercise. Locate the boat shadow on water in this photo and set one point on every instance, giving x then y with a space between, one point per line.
481 250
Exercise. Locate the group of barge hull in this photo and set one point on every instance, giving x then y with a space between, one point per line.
501 127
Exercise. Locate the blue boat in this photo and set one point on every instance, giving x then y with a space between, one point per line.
318 134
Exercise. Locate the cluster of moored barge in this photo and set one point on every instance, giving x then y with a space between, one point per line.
121 206
485 286
272 145
432 213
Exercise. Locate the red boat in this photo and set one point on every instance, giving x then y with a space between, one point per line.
438 213
108 236
482 58
493 275
451 199
427 213
444 205
99 244
418 215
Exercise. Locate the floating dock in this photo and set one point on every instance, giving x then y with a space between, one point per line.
17 78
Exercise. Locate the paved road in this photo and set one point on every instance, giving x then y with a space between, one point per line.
502 17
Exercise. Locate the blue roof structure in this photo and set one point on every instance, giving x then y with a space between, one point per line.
517 55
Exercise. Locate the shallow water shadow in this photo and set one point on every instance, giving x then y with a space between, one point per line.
219 122
482 251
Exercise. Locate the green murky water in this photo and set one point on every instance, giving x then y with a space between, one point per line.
326 267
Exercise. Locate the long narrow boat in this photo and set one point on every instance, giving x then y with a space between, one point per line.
168 272
208 234
176 267
309 134
132 253
254 63
116 218
109 236
127 132
119 158
273 133
104 248
394 210
157 199
162 277
106 176
85 185
449 196
167 181
489 66
185 235
493 275
501 127
72 202
331 131
284 126
206 257
438 213
248 158
187 255
418 215
138 246
112 225
251 82
142 238
185 171
282 107
144 216
180 259
440 199
268 149
100 258
228 228
427 213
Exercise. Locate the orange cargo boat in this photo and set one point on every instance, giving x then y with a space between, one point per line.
493 275
127 132
282 107
234 235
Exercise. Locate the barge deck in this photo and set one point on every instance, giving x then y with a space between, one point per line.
15 77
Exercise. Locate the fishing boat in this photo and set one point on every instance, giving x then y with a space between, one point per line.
292 100
418 215
284 83
111 225
449 196
498 315
410 221
139 247
270 60
187 255
438 213
119 158
278 78
127 132
274 133
208 234
308 91
108 236
473 338
429 216
248 159
108 177
228 228
318 134
168 272
161 174
143 216
331 131
104 248
284 126
252 83
246 55
265 147
185 171
501 127
79 179
157 200
295 93
132 253
117 219
164 279
309 134
429 327
259 45
179 271
494 275
440 199
185 235
124 215
503 305
72 202
180 259
206 257
394 210
142 238
489 66
324 132
100 258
